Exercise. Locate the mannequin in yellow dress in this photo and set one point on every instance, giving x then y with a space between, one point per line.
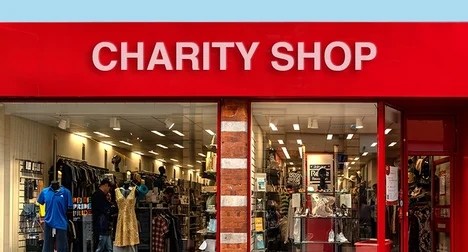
126 237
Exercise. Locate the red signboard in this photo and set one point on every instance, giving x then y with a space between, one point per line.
324 60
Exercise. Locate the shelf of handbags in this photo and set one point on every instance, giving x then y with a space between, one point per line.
31 182
325 209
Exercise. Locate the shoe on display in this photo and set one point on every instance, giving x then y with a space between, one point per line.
341 238
331 236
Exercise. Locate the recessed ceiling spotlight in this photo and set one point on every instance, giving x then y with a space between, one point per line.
392 144
154 153
280 141
210 132
190 165
201 154
329 136
169 123
299 141
178 133
359 124
174 160
158 133
115 123
126 143
100 134
179 146
273 123
353 162
387 131
199 161
162 146
373 144
356 158
291 163
139 153
350 136
365 153
296 126
312 124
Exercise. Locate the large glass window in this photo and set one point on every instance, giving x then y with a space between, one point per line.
314 170
161 160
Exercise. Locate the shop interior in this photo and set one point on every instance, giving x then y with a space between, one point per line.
163 153
314 176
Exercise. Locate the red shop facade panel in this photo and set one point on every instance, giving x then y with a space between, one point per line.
389 63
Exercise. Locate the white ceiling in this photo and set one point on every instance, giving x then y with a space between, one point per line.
137 121
338 119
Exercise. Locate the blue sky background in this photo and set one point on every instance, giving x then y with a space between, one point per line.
239 10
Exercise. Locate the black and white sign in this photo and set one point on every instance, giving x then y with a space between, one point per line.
314 172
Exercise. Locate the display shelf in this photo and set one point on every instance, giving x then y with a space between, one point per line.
321 242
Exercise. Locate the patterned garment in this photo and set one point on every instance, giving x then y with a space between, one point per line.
127 225
160 229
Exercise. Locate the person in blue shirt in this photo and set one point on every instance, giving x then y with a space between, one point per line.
57 200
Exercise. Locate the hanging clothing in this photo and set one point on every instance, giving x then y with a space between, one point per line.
127 225
160 229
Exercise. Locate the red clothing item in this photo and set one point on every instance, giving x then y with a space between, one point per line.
160 229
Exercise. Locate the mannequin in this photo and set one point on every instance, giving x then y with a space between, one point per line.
323 174
58 200
127 236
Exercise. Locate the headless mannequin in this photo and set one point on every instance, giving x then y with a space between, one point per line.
55 185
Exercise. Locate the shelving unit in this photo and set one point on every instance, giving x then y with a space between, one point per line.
30 227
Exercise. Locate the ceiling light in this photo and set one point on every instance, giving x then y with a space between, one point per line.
199 161
127 143
190 165
63 124
392 144
210 132
100 134
158 133
161 160
296 126
286 153
178 166
273 127
82 134
273 123
178 145
350 136
373 144
312 124
115 123
108 143
169 123
329 136
356 158
353 162
139 153
291 163
201 154
365 153
178 133
299 141
162 146
154 153
359 123
280 141
387 131
349 167
191 170
300 151
174 160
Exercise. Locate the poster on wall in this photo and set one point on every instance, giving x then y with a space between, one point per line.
318 171
391 180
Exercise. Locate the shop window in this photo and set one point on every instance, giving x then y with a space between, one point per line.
159 157
313 167
431 134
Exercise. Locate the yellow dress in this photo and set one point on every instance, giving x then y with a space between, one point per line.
127 225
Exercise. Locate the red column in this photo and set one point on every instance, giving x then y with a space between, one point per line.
234 180
381 177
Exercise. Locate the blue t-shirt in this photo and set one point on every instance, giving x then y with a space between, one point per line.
57 204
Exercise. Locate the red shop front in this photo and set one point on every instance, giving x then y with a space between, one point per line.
413 74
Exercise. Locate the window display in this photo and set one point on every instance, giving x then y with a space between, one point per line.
122 176
317 163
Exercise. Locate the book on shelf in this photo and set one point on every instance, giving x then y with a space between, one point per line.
259 241
261 185
259 224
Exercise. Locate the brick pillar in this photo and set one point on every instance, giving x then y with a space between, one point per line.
234 220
